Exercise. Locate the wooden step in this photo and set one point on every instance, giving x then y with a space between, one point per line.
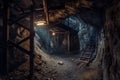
84 61
86 56
86 53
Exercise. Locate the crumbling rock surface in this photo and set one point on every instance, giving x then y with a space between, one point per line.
111 64
41 71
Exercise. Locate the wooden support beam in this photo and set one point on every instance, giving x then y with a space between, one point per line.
46 11
31 45
3 55
23 40
22 26
18 19
6 41
68 35
19 47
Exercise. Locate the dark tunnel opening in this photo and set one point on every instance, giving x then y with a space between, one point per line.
77 36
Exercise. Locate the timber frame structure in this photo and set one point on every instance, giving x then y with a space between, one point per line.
7 23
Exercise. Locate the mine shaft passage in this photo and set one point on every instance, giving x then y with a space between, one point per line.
71 36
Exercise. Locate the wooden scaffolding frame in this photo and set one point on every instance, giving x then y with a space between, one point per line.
7 42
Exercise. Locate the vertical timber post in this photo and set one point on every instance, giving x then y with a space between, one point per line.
31 45
46 11
3 55
68 41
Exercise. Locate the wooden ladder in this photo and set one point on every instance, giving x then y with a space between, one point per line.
86 55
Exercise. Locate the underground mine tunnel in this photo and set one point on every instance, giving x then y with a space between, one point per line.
59 39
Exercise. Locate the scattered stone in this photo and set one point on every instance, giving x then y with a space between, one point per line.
60 63
39 56
11 78
55 65
53 75
72 59
48 79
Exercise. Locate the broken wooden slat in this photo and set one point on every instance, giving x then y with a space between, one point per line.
20 48
23 40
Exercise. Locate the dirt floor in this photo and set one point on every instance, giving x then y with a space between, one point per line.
54 67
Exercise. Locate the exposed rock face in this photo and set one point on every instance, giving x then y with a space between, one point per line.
100 50
112 53
86 32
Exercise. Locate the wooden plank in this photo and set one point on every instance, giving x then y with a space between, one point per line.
84 61
68 36
18 19
23 40
39 9
31 45
22 26
3 55
46 11
19 47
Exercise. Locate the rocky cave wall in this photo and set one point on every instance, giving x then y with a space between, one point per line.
85 31
111 65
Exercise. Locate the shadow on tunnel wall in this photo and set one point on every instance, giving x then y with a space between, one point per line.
15 56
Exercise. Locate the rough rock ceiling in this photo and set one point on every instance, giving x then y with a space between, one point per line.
76 3
71 7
